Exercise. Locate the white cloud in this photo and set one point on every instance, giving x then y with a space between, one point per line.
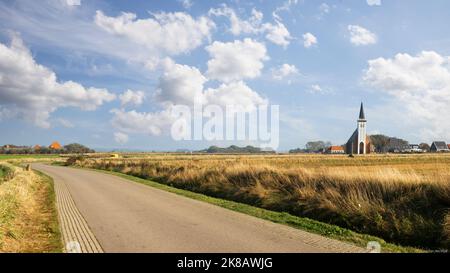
234 94
64 122
180 84
131 97
309 40
285 7
284 71
315 88
134 41
374 2
236 60
238 26
420 87
170 33
121 138
31 92
324 8
187 4
277 34
361 36
140 122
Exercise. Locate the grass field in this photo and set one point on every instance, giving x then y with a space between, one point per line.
404 199
31 156
28 217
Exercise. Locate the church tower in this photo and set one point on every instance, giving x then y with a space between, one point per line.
362 135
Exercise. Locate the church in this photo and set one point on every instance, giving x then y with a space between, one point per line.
359 142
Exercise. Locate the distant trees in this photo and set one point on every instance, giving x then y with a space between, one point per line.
317 146
312 147
297 151
380 142
385 144
73 148
76 148
233 149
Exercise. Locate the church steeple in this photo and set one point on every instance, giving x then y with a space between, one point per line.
361 113
362 136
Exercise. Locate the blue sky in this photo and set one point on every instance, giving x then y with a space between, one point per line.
316 59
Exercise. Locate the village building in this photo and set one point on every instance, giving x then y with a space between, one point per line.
55 146
414 148
439 146
335 150
13 147
359 142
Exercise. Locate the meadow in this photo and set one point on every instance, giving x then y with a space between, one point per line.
404 199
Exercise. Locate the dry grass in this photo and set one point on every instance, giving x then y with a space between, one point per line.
403 199
27 214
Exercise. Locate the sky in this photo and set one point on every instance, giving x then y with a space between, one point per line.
108 73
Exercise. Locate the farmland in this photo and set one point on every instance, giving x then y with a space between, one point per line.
404 199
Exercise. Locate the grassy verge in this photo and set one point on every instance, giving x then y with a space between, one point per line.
5 173
28 216
51 224
302 223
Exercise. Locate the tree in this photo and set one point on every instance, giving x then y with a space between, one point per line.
297 151
424 147
317 146
234 149
76 148
381 143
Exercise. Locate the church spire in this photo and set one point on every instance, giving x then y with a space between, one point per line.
361 113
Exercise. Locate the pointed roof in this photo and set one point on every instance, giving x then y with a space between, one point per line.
361 112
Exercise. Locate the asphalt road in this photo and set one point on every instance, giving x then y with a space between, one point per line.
126 216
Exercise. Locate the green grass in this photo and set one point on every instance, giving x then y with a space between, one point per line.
6 157
51 225
313 226
4 172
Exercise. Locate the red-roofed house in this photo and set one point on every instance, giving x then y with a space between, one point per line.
55 146
335 150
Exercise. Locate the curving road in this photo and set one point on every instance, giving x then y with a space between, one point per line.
125 216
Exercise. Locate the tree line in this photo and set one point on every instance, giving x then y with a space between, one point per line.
74 148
